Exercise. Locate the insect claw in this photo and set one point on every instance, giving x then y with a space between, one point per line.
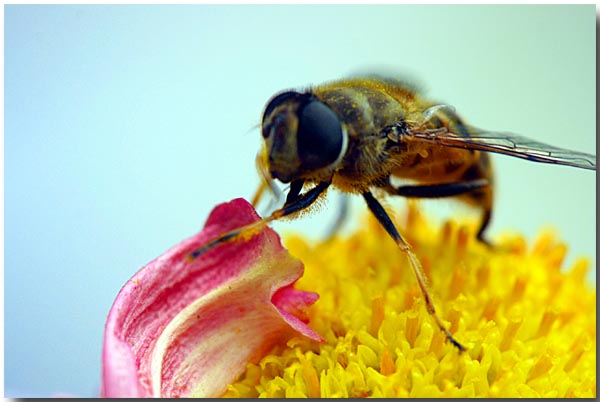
460 347
219 240
244 232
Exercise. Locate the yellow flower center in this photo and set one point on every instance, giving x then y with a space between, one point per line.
528 325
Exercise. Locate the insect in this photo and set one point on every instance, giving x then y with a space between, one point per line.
359 133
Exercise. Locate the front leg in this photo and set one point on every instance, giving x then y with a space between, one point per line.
296 203
294 193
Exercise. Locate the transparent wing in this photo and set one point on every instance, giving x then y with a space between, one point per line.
506 144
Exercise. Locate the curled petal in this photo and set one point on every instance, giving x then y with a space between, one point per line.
188 328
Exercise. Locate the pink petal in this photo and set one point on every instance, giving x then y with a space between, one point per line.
182 328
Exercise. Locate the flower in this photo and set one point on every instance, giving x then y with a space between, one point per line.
182 327
234 321
528 324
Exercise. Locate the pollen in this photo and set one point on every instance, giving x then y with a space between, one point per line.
527 321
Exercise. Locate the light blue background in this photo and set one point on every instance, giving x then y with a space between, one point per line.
125 125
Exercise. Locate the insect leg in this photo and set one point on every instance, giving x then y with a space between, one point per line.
301 202
383 218
250 230
264 179
440 190
266 182
487 216
467 187
258 194
340 217
294 193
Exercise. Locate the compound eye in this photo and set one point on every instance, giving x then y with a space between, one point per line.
273 103
319 135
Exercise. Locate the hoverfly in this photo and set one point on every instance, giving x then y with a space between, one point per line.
357 134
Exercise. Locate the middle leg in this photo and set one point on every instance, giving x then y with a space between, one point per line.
383 218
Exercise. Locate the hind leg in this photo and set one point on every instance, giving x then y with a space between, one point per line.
485 220
477 192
